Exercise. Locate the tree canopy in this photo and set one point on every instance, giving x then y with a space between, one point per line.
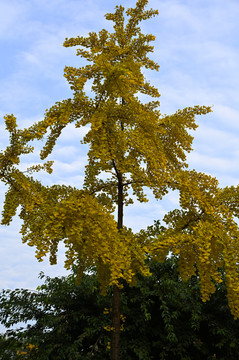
132 147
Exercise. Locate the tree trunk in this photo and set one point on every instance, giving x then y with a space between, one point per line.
115 338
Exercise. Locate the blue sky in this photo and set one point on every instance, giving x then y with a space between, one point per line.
198 52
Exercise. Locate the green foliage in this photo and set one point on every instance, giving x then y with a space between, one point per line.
165 318
66 321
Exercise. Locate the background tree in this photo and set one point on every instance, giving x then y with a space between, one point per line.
64 320
164 318
131 147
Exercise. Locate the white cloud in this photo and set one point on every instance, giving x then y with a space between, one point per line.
72 134
65 168
216 167
210 140
227 115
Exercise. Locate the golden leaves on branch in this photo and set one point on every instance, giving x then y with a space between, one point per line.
204 234
88 231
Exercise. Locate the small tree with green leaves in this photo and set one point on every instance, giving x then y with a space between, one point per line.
164 318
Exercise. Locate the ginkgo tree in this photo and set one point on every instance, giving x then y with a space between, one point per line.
132 147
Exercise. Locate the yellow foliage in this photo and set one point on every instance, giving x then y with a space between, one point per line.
131 146
204 234
28 352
